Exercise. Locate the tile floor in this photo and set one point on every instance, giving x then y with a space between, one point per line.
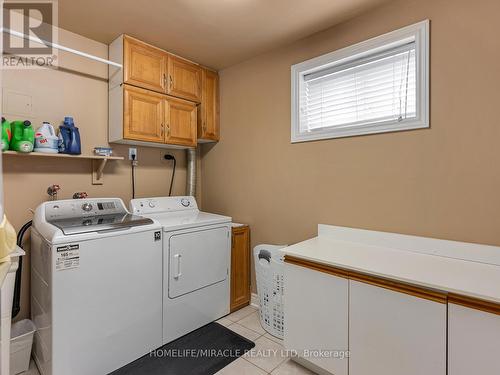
268 356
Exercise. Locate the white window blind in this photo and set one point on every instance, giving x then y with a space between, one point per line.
376 90
381 88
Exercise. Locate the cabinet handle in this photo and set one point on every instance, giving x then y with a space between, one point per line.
168 130
162 130
164 80
171 81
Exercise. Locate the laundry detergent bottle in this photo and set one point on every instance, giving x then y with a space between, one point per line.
6 134
23 136
69 138
46 139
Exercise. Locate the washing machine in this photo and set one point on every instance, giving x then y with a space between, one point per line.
196 262
96 286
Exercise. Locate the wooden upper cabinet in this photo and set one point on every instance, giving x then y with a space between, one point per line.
143 115
144 65
208 111
180 122
184 79
154 96
240 267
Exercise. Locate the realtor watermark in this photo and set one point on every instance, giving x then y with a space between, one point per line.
251 353
29 33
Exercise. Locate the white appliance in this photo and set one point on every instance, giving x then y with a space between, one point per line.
196 262
96 286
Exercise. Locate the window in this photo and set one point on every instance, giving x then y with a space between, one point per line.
380 85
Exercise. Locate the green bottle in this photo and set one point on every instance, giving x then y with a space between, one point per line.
6 134
23 136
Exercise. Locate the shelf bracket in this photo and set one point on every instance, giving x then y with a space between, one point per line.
97 171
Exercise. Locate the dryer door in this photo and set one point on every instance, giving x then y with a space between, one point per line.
197 259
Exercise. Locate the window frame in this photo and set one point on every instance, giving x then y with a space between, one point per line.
419 32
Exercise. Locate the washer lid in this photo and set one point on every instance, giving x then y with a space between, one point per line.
182 220
99 223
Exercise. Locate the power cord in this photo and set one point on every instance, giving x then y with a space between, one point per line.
171 157
133 164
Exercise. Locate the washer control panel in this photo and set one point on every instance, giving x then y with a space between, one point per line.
87 206
75 208
162 204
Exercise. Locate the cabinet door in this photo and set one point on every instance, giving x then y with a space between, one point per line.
144 65
184 79
473 341
393 333
143 115
180 122
240 267
208 111
316 317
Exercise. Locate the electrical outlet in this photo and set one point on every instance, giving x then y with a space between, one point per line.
132 152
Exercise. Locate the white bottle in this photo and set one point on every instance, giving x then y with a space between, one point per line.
46 139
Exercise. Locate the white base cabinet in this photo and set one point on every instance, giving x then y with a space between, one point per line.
392 333
343 322
316 313
473 341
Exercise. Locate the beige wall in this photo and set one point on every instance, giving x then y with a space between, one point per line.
440 182
82 93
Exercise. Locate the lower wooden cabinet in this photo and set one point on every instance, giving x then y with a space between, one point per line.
473 341
148 116
240 267
180 122
143 115
393 333
316 317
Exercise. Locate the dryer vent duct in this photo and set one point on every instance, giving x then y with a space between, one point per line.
191 172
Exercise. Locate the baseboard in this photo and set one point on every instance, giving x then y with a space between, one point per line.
254 301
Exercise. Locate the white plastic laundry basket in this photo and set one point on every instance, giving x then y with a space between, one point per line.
268 260
20 345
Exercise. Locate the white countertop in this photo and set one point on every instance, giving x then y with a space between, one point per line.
237 225
464 277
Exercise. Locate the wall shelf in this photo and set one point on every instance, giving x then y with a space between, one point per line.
98 162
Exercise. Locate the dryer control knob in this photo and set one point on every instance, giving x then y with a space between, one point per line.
152 204
185 202
87 207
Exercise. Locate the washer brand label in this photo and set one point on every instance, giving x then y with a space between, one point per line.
157 236
67 257
68 247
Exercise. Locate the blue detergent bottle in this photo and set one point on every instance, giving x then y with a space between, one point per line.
69 138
